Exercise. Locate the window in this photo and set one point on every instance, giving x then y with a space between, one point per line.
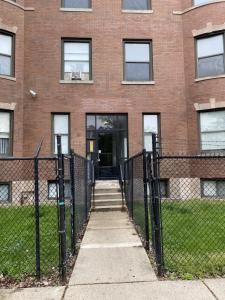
151 125
76 3
137 65
5 133
76 60
4 192
61 127
53 190
213 188
164 190
6 54
136 4
199 2
210 55
212 127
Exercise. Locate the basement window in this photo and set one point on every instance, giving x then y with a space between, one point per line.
213 188
4 192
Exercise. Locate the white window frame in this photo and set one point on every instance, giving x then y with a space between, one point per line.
145 133
11 56
207 145
54 134
9 133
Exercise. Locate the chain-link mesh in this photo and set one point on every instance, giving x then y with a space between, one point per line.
134 192
29 212
193 214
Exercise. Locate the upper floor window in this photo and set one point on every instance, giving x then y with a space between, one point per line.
76 60
138 61
136 4
198 2
5 133
76 3
6 54
210 55
212 127
61 127
151 125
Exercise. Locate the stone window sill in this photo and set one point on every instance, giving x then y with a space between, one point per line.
196 6
138 82
19 6
133 11
76 81
8 77
75 9
209 78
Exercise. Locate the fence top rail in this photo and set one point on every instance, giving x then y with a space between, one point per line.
27 158
135 156
191 157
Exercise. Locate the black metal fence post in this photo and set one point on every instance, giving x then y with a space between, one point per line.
62 223
157 208
131 171
37 218
146 200
86 187
73 199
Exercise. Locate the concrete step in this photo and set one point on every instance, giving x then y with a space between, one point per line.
108 202
107 208
105 196
108 190
107 184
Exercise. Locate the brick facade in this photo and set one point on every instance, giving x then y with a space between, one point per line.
41 26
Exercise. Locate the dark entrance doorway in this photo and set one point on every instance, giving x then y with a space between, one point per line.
107 143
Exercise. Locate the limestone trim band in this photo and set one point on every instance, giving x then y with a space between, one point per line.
19 6
196 7
209 78
212 104
76 9
8 28
138 82
132 11
8 106
208 29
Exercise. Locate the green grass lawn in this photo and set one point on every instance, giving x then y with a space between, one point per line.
193 237
17 240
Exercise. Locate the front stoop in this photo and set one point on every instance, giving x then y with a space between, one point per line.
108 196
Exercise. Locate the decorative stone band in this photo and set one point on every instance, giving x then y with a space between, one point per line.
18 5
3 26
212 104
208 29
8 106
196 6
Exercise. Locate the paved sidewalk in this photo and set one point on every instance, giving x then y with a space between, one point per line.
112 265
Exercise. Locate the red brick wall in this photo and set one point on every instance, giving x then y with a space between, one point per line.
172 95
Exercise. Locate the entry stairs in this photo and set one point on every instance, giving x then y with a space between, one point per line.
108 196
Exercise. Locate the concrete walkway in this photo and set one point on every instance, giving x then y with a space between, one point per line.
112 265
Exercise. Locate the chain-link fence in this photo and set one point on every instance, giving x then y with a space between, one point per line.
185 210
39 226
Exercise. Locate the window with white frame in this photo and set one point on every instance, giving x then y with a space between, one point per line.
6 54
76 3
5 133
210 56
213 188
53 190
61 127
137 64
136 4
4 192
76 56
151 125
212 129
199 2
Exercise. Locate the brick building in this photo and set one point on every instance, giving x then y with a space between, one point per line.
106 74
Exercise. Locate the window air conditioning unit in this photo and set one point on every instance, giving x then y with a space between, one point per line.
76 76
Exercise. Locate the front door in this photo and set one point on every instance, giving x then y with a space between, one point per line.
107 143
107 163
